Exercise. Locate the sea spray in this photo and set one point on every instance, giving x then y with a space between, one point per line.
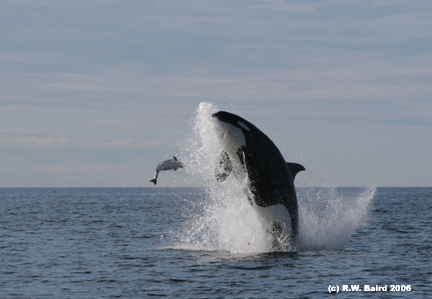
224 220
329 216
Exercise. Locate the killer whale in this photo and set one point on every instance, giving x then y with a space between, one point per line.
268 180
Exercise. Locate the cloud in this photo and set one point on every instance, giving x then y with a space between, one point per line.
126 143
9 157
35 141
32 138
19 131
19 108
106 122
80 167
155 143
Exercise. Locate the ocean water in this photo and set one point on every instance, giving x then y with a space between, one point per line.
164 242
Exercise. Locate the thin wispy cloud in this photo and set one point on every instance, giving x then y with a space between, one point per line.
26 138
128 143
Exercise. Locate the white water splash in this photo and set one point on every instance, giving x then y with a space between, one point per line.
225 221
328 218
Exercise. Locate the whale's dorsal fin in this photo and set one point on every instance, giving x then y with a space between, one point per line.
175 158
295 168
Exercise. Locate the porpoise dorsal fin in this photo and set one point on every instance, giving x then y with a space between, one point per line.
175 158
295 168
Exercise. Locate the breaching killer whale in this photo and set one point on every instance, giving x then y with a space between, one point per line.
269 181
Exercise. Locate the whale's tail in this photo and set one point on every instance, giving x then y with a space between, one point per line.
154 181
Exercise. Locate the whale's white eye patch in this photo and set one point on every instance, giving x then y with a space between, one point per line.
243 125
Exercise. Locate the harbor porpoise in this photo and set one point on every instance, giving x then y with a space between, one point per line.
170 164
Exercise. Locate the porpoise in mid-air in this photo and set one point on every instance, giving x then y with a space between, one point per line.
169 164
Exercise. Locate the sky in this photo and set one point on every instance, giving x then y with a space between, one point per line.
96 93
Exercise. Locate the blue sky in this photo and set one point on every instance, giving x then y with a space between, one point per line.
97 93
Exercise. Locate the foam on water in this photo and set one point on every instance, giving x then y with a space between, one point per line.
225 221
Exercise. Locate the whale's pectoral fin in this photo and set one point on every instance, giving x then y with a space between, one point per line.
295 168
223 170
241 155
